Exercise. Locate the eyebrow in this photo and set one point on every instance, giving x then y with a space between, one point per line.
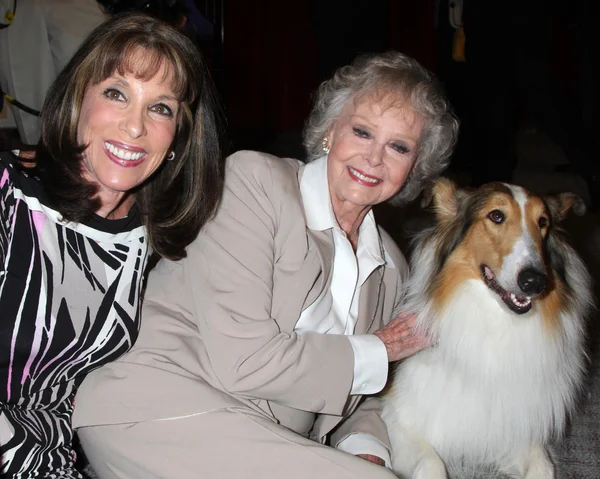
168 97
365 120
121 81
361 118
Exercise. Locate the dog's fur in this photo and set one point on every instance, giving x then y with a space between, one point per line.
506 371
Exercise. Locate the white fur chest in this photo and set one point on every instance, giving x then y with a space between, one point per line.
496 383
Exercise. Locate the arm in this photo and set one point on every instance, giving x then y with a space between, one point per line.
252 347
364 432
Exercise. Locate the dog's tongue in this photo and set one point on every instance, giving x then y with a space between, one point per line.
488 273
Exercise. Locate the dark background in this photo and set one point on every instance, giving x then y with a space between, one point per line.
531 62
269 56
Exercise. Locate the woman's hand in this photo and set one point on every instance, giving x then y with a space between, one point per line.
374 459
401 338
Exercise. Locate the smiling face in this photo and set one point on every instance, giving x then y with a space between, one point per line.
372 151
128 125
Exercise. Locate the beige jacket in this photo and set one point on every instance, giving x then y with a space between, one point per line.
218 326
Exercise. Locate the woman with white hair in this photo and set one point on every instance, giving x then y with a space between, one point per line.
260 352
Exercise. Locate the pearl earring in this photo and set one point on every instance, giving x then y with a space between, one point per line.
325 144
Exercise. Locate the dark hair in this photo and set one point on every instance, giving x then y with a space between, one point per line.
182 194
404 78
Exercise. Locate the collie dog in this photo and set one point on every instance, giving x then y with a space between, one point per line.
496 284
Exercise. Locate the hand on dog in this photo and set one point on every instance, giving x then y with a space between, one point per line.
374 459
401 338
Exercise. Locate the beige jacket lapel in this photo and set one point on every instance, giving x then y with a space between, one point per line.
370 305
322 244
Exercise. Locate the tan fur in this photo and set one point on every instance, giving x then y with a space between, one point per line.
444 199
534 210
551 302
488 243
459 268
551 305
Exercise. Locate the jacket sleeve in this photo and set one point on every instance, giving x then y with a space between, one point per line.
366 419
230 270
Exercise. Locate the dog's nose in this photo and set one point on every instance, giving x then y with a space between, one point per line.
531 281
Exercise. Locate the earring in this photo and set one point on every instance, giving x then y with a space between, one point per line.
325 144
171 156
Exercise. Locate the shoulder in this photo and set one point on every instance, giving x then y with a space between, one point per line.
262 174
262 192
255 164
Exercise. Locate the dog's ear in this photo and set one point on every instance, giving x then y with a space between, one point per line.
445 196
560 205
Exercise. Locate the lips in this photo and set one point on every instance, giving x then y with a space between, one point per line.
127 157
363 178
517 304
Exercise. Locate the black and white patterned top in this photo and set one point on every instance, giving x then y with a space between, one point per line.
69 303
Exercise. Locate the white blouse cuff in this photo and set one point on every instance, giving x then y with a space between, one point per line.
364 444
370 364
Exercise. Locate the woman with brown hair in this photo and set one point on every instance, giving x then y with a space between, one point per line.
129 165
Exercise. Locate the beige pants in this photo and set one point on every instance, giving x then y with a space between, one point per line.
218 444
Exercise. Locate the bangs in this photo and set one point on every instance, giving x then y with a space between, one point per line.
386 97
144 62
399 87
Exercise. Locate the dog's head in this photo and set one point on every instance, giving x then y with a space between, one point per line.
500 234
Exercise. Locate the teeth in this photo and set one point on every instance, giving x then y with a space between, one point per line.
123 154
363 177
518 302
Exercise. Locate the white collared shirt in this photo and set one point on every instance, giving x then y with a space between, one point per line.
335 311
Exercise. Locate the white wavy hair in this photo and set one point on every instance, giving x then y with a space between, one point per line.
401 77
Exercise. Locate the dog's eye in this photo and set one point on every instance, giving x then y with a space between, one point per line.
496 216
543 222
